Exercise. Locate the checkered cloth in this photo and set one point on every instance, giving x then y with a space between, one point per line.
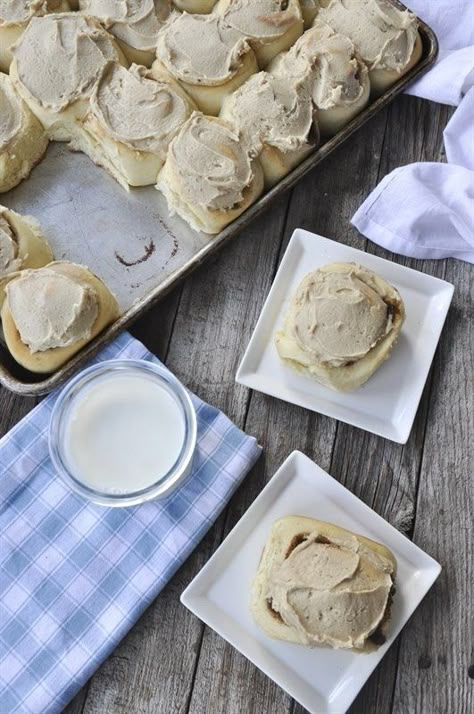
75 577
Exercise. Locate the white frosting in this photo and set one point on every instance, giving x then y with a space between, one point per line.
50 309
383 35
60 57
327 61
265 19
201 49
271 110
19 12
11 115
135 22
137 110
210 164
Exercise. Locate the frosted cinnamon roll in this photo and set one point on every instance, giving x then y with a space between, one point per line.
320 585
385 37
339 81
56 65
183 53
135 24
275 118
197 7
271 26
50 313
22 138
342 324
14 17
22 244
131 121
209 177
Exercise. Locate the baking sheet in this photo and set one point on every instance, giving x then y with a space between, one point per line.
129 239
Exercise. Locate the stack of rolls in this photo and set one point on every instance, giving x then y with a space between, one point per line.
211 101
246 87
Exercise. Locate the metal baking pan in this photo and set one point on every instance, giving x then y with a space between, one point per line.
129 239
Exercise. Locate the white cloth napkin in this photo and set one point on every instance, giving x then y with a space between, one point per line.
426 210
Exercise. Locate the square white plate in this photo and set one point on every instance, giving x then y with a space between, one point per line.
386 405
322 680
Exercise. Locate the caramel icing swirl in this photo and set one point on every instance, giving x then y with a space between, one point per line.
73 51
137 110
201 49
327 60
383 35
50 309
135 22
210 164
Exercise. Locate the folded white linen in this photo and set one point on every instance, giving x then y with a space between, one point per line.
426 210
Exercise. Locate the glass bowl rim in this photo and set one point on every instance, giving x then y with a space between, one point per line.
169 481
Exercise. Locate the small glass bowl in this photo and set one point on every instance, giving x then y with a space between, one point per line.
62 411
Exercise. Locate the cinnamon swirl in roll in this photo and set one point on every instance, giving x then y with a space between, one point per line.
271 26
183 52
342 324
15 16
22 138
385 37
50 313
338 79
131 121
274 116
22 244
56 65
135 24
209 177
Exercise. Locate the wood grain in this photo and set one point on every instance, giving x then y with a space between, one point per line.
171 663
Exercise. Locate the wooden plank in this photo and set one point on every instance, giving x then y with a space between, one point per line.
13 408
436 648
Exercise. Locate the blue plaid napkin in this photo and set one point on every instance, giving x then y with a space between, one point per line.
75 577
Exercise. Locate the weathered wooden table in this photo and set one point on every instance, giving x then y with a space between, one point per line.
170 662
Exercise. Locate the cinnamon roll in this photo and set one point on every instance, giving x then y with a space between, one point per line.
271 26
22 244
50 313
77 45
275 118
14 17
338 79
342 324
131 121
320 585
385 37
22 138
135 24
209 177
183 54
